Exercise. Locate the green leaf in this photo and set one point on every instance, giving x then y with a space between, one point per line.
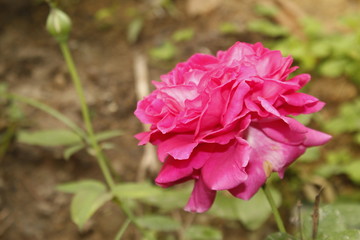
107 145
101 136
169 199
266 10
68 152
136 190
267 28
312 27
280 236
164 52
90 195
353 234
134 29
85 203
252 213
330 221
304 118
321 48
83 185
357 138
350 212
228 28
351 20
103 14
3 89
328 170
158 223
182 35
333 67
337 221
342 156
52 112
49 138
352 170
311 155
347 120
197 232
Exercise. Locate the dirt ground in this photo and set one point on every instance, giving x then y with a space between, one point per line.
32 65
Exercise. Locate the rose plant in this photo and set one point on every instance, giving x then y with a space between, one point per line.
225 121
222 121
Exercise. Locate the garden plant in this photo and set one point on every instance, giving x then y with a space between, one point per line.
228 128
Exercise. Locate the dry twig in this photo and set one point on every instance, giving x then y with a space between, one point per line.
316 215
148 160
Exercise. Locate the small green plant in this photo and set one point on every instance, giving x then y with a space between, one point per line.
11 118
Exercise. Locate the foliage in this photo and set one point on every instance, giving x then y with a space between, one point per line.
158 223
198 232
228 28
331 54
341 160
181 35
347 120
166 51
11 117
62 137
336 221
89 196
252 213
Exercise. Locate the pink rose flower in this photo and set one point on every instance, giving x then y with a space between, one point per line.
224 121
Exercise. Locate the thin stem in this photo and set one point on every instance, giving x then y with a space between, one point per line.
122 230
274 209
86 115
102 161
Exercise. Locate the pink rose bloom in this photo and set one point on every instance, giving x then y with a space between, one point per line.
223 122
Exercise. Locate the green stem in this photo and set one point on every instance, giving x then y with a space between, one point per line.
86 115
274 209
122 230
102 161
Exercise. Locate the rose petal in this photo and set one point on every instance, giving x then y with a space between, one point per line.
278 154
179 146
268 107
300 103
285 130
256 178
173 171
211 115
316 138
235 103
301 79
236 52
266 155
225 167
201 198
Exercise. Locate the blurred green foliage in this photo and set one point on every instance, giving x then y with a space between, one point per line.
184 34
328 53
164 52
336 221
11 118
228 28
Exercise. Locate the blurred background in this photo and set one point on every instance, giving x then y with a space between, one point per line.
117 44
